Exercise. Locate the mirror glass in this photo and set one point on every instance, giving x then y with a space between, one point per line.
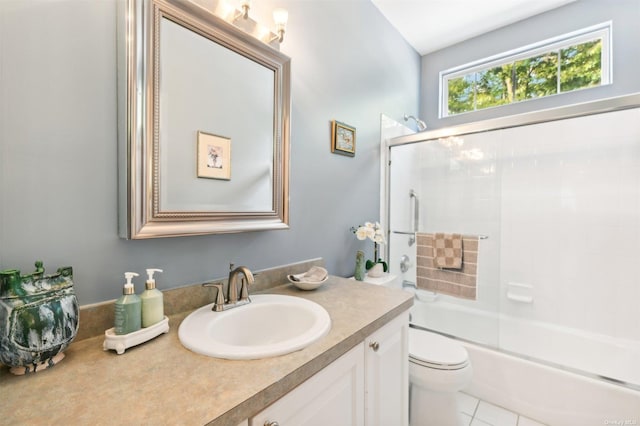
235 102
204 127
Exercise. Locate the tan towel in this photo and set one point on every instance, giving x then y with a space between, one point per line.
453 282
447 251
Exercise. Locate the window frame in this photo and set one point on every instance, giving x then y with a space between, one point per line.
602 31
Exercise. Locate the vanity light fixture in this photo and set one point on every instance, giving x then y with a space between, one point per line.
245 5
280 17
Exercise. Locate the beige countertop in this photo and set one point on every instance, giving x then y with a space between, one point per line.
161 382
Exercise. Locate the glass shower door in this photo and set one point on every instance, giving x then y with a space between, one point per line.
448 185
559 202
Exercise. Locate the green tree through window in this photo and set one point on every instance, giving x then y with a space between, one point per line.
494 87
580 66
461 94
562 70
537 77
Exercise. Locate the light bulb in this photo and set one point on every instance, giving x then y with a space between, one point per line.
280 16
245 5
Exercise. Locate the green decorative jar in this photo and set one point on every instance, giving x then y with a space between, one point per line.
360 270
38 318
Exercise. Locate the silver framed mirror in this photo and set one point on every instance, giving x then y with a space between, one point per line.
203 119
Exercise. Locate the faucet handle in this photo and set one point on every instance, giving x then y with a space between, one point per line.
244 290
218 306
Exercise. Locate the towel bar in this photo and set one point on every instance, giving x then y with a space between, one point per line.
480 237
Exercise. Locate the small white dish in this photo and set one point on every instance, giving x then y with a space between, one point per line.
306 285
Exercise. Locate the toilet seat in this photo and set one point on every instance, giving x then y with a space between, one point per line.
434 351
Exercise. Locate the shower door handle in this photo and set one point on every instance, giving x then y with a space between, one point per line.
416 215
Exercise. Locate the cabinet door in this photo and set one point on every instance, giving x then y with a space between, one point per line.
334 396
387 374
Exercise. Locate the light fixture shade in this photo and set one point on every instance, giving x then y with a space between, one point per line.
280 16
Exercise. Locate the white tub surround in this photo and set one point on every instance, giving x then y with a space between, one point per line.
550 395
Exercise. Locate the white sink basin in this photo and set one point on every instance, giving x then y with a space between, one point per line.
270 325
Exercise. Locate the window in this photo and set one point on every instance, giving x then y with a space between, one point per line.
570 62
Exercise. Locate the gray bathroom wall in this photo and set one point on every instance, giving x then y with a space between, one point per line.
58 180
625 15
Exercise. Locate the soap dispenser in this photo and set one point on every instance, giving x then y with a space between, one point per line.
152 301
128 308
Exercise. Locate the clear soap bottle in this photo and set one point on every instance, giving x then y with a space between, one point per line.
152 301
128 315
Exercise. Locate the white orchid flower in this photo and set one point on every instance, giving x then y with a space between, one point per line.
371 230
362 233
370 233
379 237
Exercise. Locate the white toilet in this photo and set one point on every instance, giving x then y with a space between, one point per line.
439 367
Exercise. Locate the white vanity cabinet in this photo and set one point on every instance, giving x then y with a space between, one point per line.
387 374
333 396
366 386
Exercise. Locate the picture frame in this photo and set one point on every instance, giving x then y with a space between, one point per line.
343 139
213 156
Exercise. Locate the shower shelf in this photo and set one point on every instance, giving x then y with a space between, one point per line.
518 298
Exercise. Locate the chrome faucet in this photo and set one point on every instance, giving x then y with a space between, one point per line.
232 290
232 299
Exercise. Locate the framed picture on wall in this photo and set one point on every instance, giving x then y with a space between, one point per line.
214 156
343 139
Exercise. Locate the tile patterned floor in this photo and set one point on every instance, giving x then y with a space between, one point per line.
476 412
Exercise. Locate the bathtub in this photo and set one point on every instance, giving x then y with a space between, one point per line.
536 384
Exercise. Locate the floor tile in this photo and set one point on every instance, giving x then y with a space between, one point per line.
524 421
495 415
467 404
476 422
465 419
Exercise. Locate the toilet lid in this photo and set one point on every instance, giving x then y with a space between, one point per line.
436 351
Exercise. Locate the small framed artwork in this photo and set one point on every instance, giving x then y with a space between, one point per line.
214 156
343 139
